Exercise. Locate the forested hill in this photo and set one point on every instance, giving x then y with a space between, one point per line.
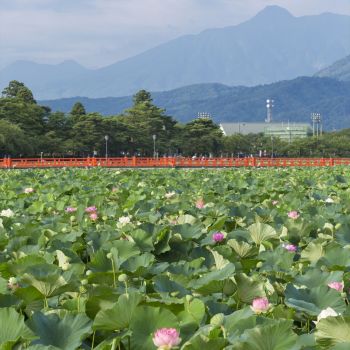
339 70
295 100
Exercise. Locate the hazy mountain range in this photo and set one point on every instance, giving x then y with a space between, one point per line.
339 70
295 100
272 46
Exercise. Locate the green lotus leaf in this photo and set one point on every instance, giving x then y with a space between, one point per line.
194 312
102 300
260 232
42 347
297 230
331 331
146 321
188 231
119 316
47 279
143 240
136 263
65 333
163 284
336 257
313 252
314 277
239 321
248 289
213 277
12 328
243 249
206 337
275 336
313 301
278 259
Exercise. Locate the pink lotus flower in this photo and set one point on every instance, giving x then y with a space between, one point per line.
93 216
71 210
29 190
337 286
293 214
290 247
260 305
218 237
92 209
274 202
166 338
200 203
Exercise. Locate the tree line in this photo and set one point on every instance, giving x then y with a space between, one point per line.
28 129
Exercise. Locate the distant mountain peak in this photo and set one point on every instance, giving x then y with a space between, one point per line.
273 12
69 63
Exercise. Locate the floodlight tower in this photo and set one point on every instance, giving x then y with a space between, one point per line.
203 115
269 106
316 119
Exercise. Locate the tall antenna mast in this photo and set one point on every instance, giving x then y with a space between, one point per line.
269 106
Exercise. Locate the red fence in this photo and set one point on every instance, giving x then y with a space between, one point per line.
169 162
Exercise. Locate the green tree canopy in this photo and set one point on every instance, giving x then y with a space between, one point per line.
16 89
201 136
14 141
142 96
78 110
144 120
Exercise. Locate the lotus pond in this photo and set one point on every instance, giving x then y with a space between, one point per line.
244 259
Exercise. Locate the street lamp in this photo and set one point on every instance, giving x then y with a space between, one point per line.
106 139
154 145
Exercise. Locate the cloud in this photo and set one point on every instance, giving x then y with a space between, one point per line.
98 32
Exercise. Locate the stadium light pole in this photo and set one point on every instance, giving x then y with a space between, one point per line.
316 119
269 107
271 146
154 137
106 139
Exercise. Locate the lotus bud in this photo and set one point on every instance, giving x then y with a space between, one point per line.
217 320
123 278
189 298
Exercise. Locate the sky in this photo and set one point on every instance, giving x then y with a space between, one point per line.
96 33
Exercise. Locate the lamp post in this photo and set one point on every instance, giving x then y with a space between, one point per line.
154 137
106 139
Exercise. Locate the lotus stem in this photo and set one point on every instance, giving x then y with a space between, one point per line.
114 276
93 340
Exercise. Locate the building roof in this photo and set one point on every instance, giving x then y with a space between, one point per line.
246 128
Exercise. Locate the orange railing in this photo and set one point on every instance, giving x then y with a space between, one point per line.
168 162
